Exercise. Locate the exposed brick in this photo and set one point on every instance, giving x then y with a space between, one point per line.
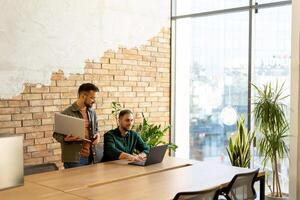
34 122
55 145
109 66
42 115
124 89
48 121
65 83
5 117
17 103
7 130
75 77
138 78
21 116
61 102
34 148
104 60
129 62
3 104
32 96
41 102
52 158
38 154
28 142
9 110
109 55
10 124
42 89
56 151
59 89
115 61
109 89
51 108
43 140
121 78
33 161
26 156
68 95
51 96
34 129
34 135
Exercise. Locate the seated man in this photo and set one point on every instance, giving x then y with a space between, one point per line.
121 142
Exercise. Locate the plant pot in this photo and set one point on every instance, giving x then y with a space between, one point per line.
285 196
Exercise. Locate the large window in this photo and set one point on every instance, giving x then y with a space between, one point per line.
219 48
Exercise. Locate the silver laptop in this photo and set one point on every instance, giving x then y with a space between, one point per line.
156 155
67 125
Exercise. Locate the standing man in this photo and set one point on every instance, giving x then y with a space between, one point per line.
77 151
121 142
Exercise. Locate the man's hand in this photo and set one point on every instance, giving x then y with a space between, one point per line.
96 139
71 138
129 157
134 158
142 156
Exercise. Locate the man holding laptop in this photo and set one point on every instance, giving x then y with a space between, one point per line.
121 142
78 151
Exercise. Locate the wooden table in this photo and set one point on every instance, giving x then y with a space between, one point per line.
164 185
32 191
118 180
103 173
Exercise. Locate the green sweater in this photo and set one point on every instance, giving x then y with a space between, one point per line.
115 144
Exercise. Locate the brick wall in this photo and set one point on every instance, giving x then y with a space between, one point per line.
138 78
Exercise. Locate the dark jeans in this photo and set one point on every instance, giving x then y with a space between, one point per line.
83 161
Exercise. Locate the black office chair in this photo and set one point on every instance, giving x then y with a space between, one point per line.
35 169
241 187
209 194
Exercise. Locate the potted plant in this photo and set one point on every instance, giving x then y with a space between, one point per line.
270 120
152 134
239 145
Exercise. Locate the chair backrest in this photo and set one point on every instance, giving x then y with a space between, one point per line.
209 194
241 187
35 169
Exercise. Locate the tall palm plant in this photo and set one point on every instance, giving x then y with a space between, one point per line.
270 119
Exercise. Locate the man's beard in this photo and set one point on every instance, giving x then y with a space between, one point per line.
88 105
125 128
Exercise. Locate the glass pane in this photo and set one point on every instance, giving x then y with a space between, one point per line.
183 7
272 50
212 60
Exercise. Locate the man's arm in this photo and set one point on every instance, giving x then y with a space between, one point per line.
110 149
141 145
113 153
65 138
96 138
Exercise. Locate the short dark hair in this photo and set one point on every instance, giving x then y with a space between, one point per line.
86 87
124 112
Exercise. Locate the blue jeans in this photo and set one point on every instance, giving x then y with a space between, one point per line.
83 161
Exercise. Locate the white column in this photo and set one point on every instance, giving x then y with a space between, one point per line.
294 185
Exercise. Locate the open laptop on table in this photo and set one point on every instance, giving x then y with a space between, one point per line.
156 155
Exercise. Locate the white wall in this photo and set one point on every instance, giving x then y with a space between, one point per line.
38 37
295 101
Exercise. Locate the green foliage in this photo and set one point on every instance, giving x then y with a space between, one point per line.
239 147
153 134
116 108
270 119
